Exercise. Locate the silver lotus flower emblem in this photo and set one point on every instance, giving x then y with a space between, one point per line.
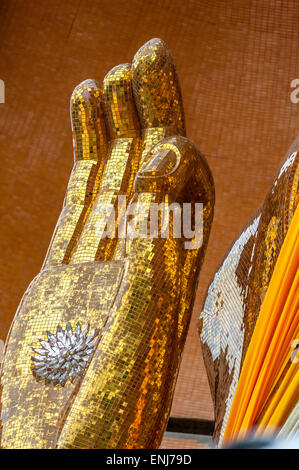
65 355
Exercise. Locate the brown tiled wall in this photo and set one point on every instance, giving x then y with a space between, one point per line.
177 443
235 58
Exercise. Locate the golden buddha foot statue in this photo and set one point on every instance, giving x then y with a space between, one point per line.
235 295
94 350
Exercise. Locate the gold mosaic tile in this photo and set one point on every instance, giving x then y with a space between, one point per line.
235 295
137 294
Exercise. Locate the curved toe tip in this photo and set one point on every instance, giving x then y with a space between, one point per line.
85 91
151 52
118 74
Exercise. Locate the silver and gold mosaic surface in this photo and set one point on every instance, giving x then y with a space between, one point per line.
93 354
238 288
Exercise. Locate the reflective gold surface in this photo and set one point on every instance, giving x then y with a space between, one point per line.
239 286
137 292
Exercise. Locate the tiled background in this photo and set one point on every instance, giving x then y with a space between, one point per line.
235 58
